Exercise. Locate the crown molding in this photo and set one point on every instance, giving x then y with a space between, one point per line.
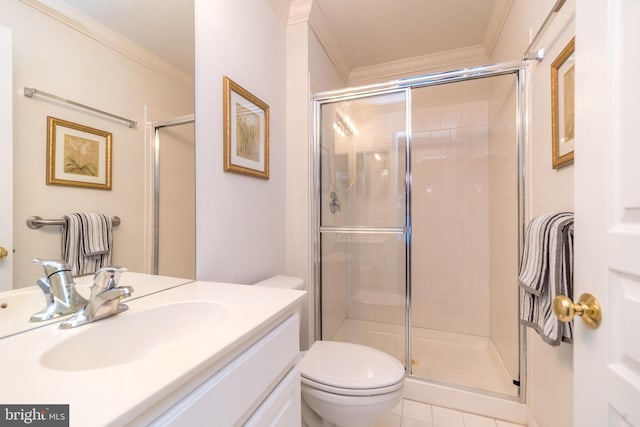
320 27
282 8
299 11
499 15
91 28
473 55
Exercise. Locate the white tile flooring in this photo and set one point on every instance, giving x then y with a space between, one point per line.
415 414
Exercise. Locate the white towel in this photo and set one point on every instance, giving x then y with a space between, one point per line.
546 270
87 242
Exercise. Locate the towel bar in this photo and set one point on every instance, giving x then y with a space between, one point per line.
35 222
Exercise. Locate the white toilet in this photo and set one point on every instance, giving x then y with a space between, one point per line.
344 384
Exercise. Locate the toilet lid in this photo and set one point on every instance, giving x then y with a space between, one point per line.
350 366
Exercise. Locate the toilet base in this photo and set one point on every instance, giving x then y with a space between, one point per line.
321 409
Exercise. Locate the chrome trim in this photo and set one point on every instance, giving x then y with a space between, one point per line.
539 53
317 241
35 222
424 80
182 120
30 92
522 141
362 230
407 256
156 200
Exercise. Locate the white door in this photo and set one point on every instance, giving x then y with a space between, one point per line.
607 207
6 161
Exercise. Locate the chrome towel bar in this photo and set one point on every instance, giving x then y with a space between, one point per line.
35 222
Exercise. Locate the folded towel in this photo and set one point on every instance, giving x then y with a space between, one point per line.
546 270
86 242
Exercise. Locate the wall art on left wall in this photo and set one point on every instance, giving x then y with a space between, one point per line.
78 155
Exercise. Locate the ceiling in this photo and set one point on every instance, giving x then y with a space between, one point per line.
373 32
367 32
164 28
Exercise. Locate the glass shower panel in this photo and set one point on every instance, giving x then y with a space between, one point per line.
363 294
465 234
362 221
363 156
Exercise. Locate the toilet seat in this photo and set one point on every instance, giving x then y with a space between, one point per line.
350 369
351 391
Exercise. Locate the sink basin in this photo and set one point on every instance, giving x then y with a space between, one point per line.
132 335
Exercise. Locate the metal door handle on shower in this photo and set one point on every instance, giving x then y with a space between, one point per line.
334 203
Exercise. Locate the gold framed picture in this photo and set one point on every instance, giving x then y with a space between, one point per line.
77 155
563 106
246 131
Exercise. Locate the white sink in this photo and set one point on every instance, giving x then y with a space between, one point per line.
134 335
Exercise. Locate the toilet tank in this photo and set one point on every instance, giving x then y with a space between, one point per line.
289 282
286 282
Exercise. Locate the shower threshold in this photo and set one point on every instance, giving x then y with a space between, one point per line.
444 357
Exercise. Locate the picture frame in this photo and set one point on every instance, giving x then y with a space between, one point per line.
246 131
78 155
563 106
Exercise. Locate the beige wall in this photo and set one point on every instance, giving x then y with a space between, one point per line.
550 369
55 58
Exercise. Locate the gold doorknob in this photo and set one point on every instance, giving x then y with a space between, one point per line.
3 253
587 307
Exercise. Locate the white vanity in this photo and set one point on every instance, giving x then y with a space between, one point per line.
202 353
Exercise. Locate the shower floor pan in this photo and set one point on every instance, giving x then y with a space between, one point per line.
444 357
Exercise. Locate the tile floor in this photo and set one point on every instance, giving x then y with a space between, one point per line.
415 414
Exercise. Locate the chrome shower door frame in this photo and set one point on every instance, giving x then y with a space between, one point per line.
519 69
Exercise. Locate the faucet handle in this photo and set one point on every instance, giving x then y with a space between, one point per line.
52 266
108 277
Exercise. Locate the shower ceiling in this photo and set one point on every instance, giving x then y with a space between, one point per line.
368 32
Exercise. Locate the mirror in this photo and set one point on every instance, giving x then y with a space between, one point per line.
74 57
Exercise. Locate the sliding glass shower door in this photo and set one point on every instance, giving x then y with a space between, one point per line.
420 189
362 154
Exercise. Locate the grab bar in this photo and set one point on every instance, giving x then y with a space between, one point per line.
35 222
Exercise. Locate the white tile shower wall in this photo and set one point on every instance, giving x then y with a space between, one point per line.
450 217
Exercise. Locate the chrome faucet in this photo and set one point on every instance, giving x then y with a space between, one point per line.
59 291
104 300
334 202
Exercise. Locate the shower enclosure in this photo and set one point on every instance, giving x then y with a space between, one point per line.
419 218
174 231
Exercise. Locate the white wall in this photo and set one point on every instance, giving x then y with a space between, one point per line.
241 220
55 58
550 369
309 70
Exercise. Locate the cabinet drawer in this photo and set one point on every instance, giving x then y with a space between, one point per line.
232 394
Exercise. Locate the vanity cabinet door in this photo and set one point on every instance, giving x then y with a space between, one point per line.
282 407
237 391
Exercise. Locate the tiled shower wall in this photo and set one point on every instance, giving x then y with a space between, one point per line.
450 216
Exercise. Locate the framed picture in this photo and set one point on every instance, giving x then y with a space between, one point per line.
563 106
246 132
77 155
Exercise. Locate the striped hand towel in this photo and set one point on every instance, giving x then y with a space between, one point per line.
87 242
546 270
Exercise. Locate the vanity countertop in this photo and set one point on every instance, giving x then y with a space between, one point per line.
120 384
